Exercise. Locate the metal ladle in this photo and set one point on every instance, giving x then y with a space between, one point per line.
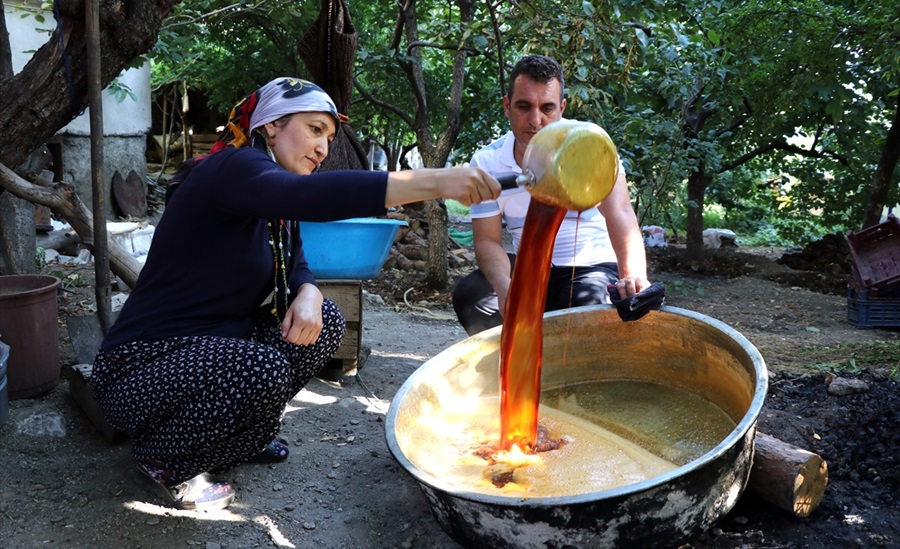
568 164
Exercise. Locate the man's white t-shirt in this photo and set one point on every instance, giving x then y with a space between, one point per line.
581 240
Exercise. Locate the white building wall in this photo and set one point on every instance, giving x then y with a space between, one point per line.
125 124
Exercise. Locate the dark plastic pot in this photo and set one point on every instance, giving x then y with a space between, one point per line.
29 324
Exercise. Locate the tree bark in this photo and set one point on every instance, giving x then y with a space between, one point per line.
696 192
435 151
52 89
693 119
890 154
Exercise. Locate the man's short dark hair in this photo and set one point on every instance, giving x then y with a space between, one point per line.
540 68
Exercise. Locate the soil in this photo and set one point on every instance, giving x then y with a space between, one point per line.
65 485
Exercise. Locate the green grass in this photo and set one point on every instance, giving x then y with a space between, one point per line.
882 357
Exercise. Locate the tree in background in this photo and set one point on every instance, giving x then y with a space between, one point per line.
707 101
711 96
52 89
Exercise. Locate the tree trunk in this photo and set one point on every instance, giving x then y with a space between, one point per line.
436 266
52 89
696 191
435 151
6 69
890 154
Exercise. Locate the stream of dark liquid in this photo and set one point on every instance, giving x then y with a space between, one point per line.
521 341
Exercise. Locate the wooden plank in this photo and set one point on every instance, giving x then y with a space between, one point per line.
79 378
347 295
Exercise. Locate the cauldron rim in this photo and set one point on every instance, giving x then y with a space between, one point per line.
748 422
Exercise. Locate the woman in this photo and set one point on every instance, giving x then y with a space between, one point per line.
226 324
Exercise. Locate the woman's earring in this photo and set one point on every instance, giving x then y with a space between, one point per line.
272 141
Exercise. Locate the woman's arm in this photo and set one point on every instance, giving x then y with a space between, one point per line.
464 184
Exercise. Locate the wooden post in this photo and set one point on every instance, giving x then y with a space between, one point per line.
789 477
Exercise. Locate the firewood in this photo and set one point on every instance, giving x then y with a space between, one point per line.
413 251
787 476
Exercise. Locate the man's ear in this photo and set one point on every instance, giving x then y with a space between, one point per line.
562 106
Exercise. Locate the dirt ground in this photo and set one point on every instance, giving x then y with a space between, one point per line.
63 485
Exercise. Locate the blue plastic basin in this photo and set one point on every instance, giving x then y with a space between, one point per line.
349 249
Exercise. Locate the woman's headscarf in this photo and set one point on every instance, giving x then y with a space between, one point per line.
280 97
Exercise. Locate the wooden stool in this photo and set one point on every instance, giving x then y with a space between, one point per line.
347 295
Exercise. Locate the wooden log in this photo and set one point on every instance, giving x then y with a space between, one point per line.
62 198
787 476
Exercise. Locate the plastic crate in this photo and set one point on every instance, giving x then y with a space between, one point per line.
874 292
876 255
866 312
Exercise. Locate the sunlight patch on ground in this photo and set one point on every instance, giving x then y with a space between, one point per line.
374 404
160 511
853 519
310 398
279 539
408 356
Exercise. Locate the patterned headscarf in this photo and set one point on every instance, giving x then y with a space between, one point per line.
278 98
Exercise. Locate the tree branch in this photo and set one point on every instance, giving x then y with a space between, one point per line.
63 199
378 103
782 146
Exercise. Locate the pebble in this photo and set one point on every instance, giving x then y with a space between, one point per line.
842 386
152 521
741 520
213 545
277 487
309 525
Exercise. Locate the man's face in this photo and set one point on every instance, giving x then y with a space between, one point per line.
531 107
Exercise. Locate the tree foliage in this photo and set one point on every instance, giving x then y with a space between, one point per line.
780 112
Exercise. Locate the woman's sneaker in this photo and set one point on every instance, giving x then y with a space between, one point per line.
200 493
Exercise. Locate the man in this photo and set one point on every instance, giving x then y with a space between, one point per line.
604 244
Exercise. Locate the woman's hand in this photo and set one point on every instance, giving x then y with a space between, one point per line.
302 322
467 185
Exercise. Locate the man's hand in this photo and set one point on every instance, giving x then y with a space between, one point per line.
631 285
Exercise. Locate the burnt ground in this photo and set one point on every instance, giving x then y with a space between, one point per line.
63 485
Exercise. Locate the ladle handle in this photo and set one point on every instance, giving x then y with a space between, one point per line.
508 182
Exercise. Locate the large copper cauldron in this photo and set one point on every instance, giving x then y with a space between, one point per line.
672 347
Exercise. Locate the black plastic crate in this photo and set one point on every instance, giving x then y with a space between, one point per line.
866 312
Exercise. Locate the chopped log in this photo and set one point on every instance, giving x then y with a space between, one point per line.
413 251
787 476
